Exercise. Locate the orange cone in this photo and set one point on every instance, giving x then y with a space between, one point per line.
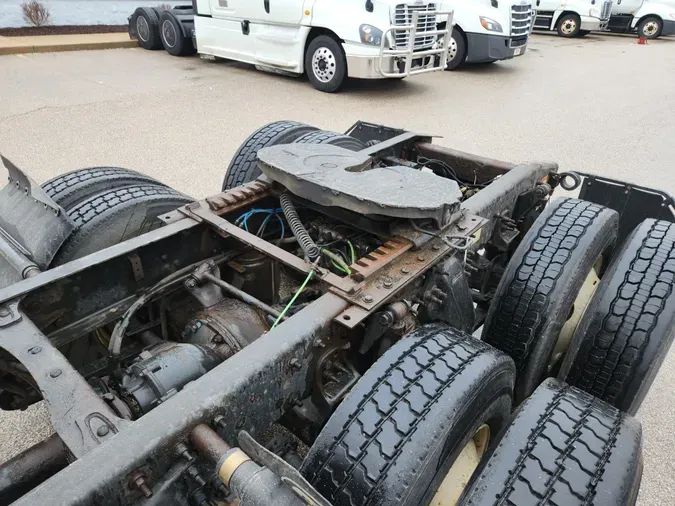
642 40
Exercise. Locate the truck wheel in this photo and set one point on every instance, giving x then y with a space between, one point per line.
564 447
457 52
72 188
171 33
569 25
324 137
418 420
546 287
116 215
243 167
650 27
145 22
326 64
629 325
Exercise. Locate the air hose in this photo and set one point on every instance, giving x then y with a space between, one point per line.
312 251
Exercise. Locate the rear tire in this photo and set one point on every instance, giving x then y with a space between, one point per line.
650 28
538 289
243 167
569 25
145 21
171 33
394 437
326 64
116 215
563 447
324 137
629 326
72 188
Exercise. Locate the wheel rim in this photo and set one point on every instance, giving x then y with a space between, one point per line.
650 28
142 28
452 50
460 472
568 26
169 32
584 297
323 64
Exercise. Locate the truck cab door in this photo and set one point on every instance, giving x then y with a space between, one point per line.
626 6
280 39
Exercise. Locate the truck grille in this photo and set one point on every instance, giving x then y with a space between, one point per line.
521 19
426 23
606 10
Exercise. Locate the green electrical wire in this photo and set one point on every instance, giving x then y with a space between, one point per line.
351 250
337 260
290 303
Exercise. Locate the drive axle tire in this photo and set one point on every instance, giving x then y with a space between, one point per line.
326 64
430 398
145 20
569 25
116 215
171 34
324 137
243 167
538 290
72 188
563 447
629 325
650 27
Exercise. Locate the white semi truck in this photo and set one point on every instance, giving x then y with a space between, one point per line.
650 19
327 40
572 18
488 30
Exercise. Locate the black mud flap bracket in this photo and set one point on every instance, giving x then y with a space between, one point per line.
633 203
32 227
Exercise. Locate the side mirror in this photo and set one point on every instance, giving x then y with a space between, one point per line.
369 5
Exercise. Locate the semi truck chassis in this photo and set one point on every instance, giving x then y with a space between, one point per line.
102 454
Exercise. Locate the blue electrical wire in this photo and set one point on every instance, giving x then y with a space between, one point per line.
242 221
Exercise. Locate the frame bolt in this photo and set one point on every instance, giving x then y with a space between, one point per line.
405 270
4 312
190 283
55 373
368 298
102 431
34 350
420 258
436 247
388 284
295 364
138 481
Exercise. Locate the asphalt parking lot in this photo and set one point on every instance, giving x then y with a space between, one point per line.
601 104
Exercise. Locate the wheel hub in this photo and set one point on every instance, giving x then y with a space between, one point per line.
586 292
142 28
452 50
169 32
323 64
460 472
569 26
650 28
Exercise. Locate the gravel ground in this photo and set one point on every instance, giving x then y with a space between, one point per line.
602 104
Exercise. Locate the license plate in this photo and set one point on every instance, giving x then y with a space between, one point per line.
517 51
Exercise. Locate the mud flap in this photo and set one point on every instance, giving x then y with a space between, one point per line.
32 226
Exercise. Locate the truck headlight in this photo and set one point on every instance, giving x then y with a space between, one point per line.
370 35
594 13
490 24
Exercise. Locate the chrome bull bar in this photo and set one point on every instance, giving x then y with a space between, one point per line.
409 53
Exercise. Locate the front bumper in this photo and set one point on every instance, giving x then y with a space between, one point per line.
482 48
368 67
593 24
668 28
